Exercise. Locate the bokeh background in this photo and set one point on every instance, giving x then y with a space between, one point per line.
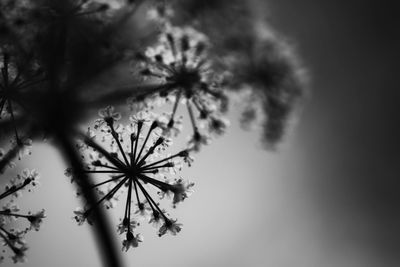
330 195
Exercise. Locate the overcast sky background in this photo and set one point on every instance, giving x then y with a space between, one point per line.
329 197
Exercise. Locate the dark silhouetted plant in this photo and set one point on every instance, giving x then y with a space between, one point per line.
63 60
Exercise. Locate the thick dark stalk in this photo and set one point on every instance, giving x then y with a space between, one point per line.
9 156
102 228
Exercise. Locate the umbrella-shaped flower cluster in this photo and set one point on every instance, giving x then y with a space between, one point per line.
180 64
13 237
134 163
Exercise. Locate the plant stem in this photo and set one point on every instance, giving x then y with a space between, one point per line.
102 229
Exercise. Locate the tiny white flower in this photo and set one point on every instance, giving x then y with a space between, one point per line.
36 219
131 241
170 226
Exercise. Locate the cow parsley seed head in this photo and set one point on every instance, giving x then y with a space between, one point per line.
180 65
17 79
131 172
11 218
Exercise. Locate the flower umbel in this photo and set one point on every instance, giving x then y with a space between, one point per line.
181 63
15 82
134 167
12 237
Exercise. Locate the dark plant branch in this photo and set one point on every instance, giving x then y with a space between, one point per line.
102 228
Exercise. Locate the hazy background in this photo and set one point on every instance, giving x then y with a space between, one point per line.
329 197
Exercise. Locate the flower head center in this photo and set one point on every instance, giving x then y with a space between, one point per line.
187 79
133 171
